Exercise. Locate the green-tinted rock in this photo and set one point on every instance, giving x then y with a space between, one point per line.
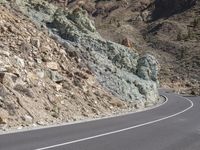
118 68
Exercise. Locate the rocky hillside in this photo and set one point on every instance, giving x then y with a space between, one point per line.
169 29
59 68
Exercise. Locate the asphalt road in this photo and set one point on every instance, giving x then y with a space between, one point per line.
172 126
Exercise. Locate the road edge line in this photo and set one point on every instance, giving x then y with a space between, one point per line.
82 121
121 130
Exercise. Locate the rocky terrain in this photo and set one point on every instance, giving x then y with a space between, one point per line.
55 67
168 29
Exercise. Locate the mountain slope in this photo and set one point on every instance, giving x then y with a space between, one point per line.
60 69
169 29
40 83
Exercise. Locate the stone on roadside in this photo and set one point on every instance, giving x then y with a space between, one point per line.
2 120
27 118
140 105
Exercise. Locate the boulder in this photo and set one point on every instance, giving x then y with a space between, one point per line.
148 67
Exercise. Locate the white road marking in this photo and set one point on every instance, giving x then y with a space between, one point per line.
85 120
121 130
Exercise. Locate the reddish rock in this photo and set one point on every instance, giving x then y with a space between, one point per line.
127 42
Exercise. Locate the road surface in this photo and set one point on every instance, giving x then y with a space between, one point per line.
172 126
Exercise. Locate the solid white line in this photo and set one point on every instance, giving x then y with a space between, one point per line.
121 130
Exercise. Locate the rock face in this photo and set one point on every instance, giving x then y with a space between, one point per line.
43 82
148 68
114 65
59 75
168 29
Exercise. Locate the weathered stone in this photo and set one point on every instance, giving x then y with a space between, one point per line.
23 90
140 105
35 42
26 47
19 61
148 67
27 118
40 74
58 87
127 42
3 69
5 53
70 89
31 77
3 91
115 103
81 75
55 76
41 123
116 66
52 65
2 121
66 85
8 79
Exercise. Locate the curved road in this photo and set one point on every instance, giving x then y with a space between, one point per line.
172 126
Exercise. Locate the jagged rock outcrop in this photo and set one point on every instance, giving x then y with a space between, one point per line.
114 65
172 34
43 82
148 67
